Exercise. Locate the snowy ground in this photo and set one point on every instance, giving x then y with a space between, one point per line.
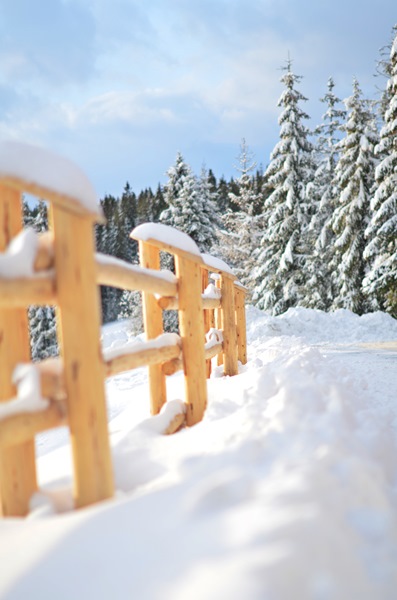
286 490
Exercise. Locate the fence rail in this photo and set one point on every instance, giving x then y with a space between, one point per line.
66 272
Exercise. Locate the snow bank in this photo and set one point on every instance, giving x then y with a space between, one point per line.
286 489
46 169
315 326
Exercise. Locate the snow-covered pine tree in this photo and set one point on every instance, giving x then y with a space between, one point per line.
186 210
381 251
106 243
42 321
384 69
150 206
125 221
320 266
27 214
208 199
279 273
354 176
241 233
130 307
43 340
246 198
222 189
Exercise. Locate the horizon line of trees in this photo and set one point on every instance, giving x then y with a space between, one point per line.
317 228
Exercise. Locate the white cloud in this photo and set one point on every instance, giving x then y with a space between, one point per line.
131 107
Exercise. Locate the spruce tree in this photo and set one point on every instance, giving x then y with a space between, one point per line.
355 180
279 274
186 210
381 250
241 233
323 193
125 221
43 340
223 189
108 241
208 199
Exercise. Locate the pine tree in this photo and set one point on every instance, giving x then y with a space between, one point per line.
186 210
279 275
355 180
381 250
241 234
384 69
157 206
246 198
223 201
43 340
108 242
131 308
28 214
323 192
125 221
208 199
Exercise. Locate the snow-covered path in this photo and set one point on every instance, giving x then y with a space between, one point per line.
287 489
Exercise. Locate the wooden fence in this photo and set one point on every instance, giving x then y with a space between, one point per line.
66 272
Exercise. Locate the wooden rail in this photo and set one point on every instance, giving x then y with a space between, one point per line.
64 262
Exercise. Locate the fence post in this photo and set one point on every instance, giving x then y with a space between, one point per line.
149 257
79 319
206 316
17 463
241 325
219 318
229 326
191 326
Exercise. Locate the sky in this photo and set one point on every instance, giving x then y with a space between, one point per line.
120 87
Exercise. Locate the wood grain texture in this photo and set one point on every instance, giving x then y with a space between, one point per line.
17 464
149 257
79 320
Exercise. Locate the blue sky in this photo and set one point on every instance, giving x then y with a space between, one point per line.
121 86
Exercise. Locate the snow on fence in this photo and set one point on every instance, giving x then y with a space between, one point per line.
61 268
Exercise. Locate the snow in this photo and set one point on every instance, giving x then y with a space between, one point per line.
26 378
166 235
136 345
42 167
286 489
213 337
211 291
164 274
216 263
18 258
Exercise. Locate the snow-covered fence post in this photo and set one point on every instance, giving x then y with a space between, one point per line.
229 325
226 315
219 320
149 257
188 263
79 319
17 463
191 326
206 316
241 323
